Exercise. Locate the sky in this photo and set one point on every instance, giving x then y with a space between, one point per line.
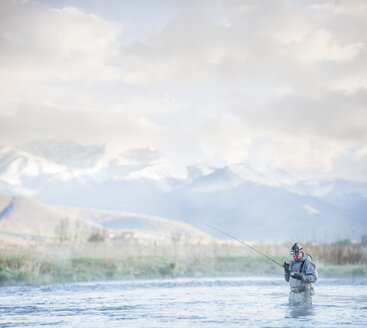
279 85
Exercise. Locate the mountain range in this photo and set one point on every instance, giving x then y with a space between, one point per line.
239 199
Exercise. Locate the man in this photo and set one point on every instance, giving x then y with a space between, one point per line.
300 272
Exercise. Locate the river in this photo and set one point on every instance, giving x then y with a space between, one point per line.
219 302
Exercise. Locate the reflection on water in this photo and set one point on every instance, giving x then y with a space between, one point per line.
224 302
300 311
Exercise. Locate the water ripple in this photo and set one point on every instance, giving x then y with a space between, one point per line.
220 302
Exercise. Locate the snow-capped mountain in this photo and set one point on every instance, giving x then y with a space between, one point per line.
67 153
23 172
250 203
33 165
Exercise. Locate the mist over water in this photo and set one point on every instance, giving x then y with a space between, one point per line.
222 302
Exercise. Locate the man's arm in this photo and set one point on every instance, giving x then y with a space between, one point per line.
310 275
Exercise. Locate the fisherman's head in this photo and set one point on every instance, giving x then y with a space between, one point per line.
296 252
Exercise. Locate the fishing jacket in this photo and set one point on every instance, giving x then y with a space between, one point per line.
305 267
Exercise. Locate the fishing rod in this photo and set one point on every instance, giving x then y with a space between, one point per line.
253 248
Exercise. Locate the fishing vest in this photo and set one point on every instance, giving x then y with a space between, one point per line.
300 270
298 286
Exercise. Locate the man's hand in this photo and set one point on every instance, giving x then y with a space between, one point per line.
296 275
286 267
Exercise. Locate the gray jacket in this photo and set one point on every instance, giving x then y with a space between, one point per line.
305 267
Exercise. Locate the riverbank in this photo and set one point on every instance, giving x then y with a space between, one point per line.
30 269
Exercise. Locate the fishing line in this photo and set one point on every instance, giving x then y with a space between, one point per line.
245 244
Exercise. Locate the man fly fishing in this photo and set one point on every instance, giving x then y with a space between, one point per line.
301 273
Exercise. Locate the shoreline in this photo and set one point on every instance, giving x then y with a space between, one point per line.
18 270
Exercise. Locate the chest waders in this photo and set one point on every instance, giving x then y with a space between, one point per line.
300 292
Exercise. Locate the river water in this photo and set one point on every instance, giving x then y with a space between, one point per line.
221 302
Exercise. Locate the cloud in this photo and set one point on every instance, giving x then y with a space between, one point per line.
300 154
328 115
66 43
307 131
280 42
310 209
40 47
142 156
223 139
121 129
273 83
361 153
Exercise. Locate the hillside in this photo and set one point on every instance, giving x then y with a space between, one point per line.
142 225
22 219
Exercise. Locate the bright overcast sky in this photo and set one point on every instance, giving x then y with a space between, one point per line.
277 84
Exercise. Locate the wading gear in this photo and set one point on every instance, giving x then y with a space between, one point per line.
300 289
301 275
